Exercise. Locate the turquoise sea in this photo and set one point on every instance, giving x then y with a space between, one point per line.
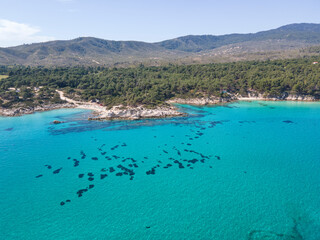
247 170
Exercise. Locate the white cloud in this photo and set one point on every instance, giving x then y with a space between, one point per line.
13 33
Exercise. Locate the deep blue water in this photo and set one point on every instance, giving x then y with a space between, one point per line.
248 170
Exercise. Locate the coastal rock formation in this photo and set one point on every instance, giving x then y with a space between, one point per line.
56 122
19 111
200 101
120 112
300 98
252 95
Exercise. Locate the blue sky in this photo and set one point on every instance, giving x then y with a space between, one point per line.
27 21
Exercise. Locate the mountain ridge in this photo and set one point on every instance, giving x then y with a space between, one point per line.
96 51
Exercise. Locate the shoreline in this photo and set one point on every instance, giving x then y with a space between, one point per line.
115 113
21 111
207 101
99 112
121 112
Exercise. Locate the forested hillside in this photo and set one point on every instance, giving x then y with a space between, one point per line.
154 85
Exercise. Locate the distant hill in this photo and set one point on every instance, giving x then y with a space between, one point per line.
80 51
306 33
286 41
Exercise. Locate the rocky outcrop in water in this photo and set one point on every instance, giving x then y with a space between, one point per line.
56 122
120 112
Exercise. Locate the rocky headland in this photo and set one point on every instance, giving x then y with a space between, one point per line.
134 113
123 112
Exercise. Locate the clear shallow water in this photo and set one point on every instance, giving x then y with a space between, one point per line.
253 174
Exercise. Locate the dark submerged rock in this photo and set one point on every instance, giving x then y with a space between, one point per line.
115 147
57 171
83 155
287 121
48 166
81 191
193 161
76 163
151 172
102 176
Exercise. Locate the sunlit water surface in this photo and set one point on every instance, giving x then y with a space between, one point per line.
248 170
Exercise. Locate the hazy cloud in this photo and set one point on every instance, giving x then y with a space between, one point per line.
13 33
